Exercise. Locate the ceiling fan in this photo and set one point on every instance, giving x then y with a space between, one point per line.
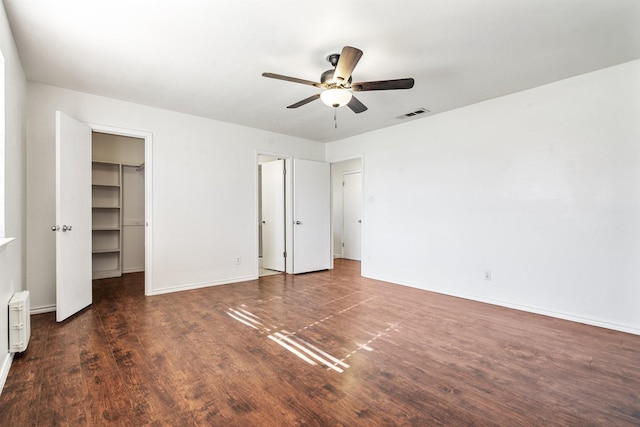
337 86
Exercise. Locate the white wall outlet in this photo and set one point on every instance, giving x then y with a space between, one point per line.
487 275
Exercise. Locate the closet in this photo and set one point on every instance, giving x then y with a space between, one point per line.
117 205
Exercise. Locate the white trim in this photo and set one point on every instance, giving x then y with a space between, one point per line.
148 195
43 309
4 370
133 270
204 285
525 308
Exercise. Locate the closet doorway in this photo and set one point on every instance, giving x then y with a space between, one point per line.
118 205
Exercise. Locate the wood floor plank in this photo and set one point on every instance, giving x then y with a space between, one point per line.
325 348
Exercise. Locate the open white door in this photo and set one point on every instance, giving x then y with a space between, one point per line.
352 224
311 216
273 234
73 216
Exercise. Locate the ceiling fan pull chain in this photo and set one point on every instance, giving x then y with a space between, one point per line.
335 118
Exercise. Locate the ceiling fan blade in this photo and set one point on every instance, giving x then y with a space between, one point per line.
383 85
291 79
356 106
347 62
305 101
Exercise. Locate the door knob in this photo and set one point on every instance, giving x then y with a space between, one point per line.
359 221
66 228
298 222
55 227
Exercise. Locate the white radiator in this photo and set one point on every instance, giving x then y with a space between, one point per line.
19 322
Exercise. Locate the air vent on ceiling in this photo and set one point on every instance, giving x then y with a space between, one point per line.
413 113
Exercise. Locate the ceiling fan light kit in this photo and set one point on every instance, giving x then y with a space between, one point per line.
336 97
337 83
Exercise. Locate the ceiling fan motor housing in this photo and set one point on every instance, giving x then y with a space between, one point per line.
327 78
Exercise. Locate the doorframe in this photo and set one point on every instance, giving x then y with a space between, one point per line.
288 211
361 157
148 194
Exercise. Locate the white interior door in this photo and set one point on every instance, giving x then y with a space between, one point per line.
352 224
73 216
273 220
311 216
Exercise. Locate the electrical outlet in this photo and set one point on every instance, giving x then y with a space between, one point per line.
487 275
238 261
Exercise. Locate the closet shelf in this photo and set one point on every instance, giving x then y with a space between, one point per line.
105 251
105 185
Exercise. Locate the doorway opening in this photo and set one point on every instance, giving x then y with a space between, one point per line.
347 185
117 211
272 204
121 203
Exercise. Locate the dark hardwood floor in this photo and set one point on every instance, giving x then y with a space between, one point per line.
376 354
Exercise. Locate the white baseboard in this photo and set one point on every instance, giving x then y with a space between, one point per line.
529 309
133 270
4 369
203 285
50 308
43 309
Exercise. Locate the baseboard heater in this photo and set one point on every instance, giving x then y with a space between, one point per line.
19 322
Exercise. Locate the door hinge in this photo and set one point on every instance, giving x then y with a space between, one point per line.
284 254
343 244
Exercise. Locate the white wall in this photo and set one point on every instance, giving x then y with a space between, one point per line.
204 189
540 187
12 257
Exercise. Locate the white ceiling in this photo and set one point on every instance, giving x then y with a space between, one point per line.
206 57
